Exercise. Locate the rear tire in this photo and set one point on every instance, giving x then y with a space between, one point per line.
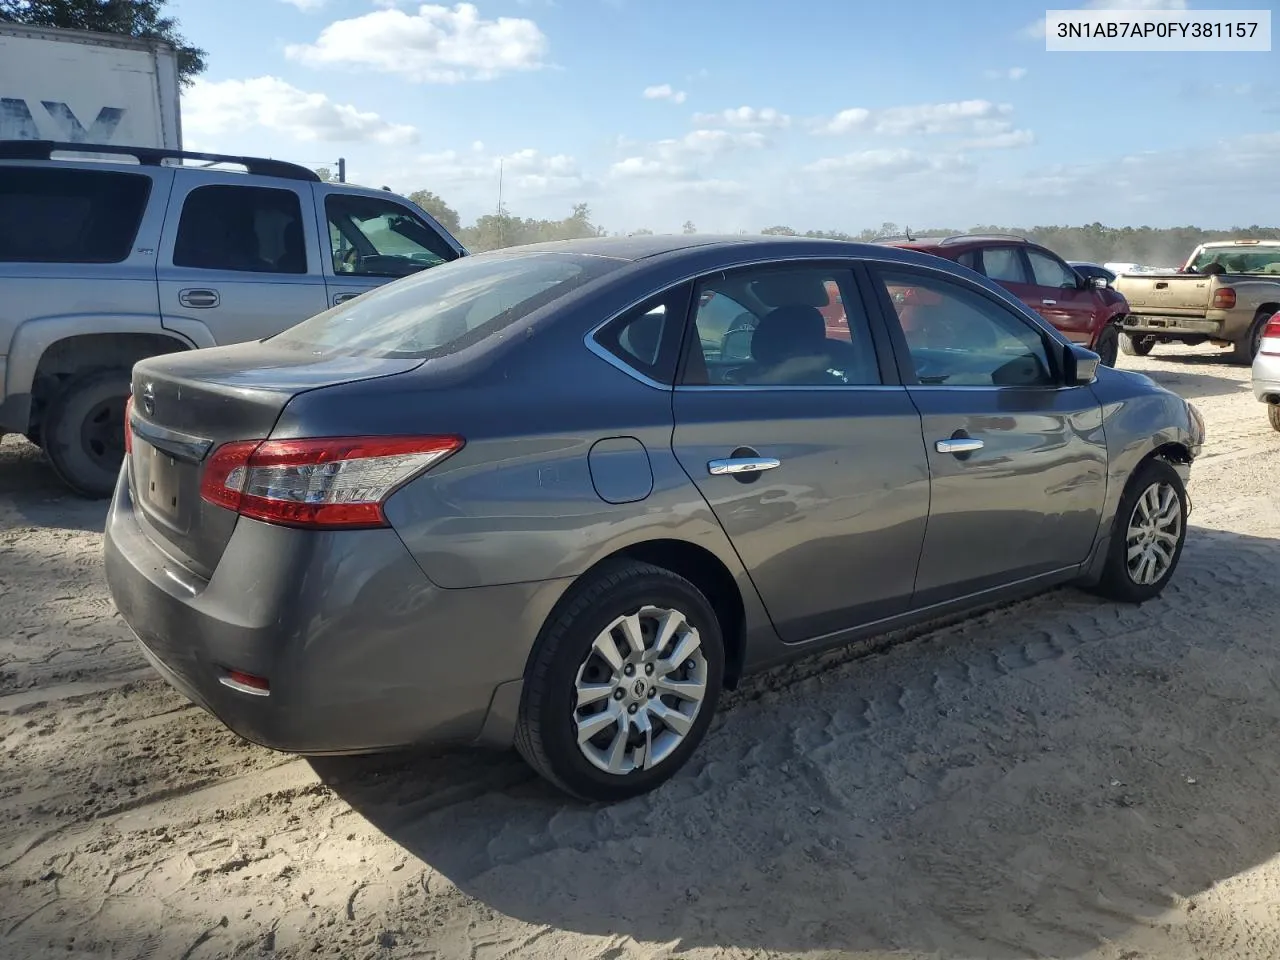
1273 414
584 676
1244 350
1135 345
83 432
1150 523
1108 344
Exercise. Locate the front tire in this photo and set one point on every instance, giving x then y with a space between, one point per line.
83 432
622 683
1134 345
1108 344
1147 536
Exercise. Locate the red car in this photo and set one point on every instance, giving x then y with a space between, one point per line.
1087 311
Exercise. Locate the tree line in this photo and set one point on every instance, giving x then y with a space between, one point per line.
1155 246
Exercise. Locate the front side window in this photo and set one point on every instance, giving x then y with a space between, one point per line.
1049 272
443 310
52 215
372 237
248 229
768 326
958 337
1004 264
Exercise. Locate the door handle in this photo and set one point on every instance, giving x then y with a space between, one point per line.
198 298
1049 303
719 468
959 445
343 297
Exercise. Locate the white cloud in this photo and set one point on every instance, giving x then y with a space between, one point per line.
434 45
664 91
525 173
1000 141
306 6
883 163
1035 31
228 106
846 121
1013 73
747 117
678 158
647 168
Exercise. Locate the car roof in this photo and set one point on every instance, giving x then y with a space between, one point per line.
1217 244
958 243
646 246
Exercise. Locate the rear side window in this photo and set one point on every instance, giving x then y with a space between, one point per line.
440 311
50 215
1004 263
250 229
647 337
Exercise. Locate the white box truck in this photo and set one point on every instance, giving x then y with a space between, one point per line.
75 86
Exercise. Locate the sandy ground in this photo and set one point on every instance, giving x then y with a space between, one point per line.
1063 777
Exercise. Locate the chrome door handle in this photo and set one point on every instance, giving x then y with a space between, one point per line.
198 298
732 465
959 445
343 297
1049 303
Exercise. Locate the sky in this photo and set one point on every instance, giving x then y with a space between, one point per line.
814 114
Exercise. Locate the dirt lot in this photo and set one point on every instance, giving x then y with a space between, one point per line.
1061 778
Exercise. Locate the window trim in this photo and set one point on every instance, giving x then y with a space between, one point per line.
880 344
902 350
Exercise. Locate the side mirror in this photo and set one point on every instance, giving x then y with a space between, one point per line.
1100 283
1079 365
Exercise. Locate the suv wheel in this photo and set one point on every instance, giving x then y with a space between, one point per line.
1246 348
1108 344
622 683
1273 414
1147 536
83 431
1133 345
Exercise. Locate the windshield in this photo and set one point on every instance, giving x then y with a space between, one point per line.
1235 260
445 309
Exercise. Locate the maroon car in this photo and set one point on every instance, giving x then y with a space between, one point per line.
1087 311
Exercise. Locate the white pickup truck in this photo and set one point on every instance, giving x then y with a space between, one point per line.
1224 294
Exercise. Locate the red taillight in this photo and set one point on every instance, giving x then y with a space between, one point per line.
335 482
1271 337
239 680
128 429
1224 298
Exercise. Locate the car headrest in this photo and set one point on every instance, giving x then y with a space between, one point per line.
796 330
785 289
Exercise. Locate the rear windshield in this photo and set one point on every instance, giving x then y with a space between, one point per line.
50 215
447 308
1234 260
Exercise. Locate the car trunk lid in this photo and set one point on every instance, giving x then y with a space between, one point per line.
187 405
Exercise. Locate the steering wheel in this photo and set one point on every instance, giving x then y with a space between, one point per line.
351 258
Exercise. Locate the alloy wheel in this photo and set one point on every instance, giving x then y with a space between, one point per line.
639 690
1155 527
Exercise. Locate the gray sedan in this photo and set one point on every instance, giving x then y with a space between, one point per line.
563 495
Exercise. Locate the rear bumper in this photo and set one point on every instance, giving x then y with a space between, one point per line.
1266 378
1152 324
362 652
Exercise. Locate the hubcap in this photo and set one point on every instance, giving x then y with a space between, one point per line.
102 433
639 690
1154 529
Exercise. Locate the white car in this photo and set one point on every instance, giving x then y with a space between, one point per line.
1266 370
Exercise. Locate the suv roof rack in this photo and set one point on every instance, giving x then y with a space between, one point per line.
152 156
961 237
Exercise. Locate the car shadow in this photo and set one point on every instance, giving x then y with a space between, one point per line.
30 488
1041 779
1191 386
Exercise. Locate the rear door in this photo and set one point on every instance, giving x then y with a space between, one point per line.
239 256
1063 301
806 446
371 240
1018 459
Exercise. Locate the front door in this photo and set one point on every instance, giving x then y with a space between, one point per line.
1018 460
374 240
805 446
1064 302
239 258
